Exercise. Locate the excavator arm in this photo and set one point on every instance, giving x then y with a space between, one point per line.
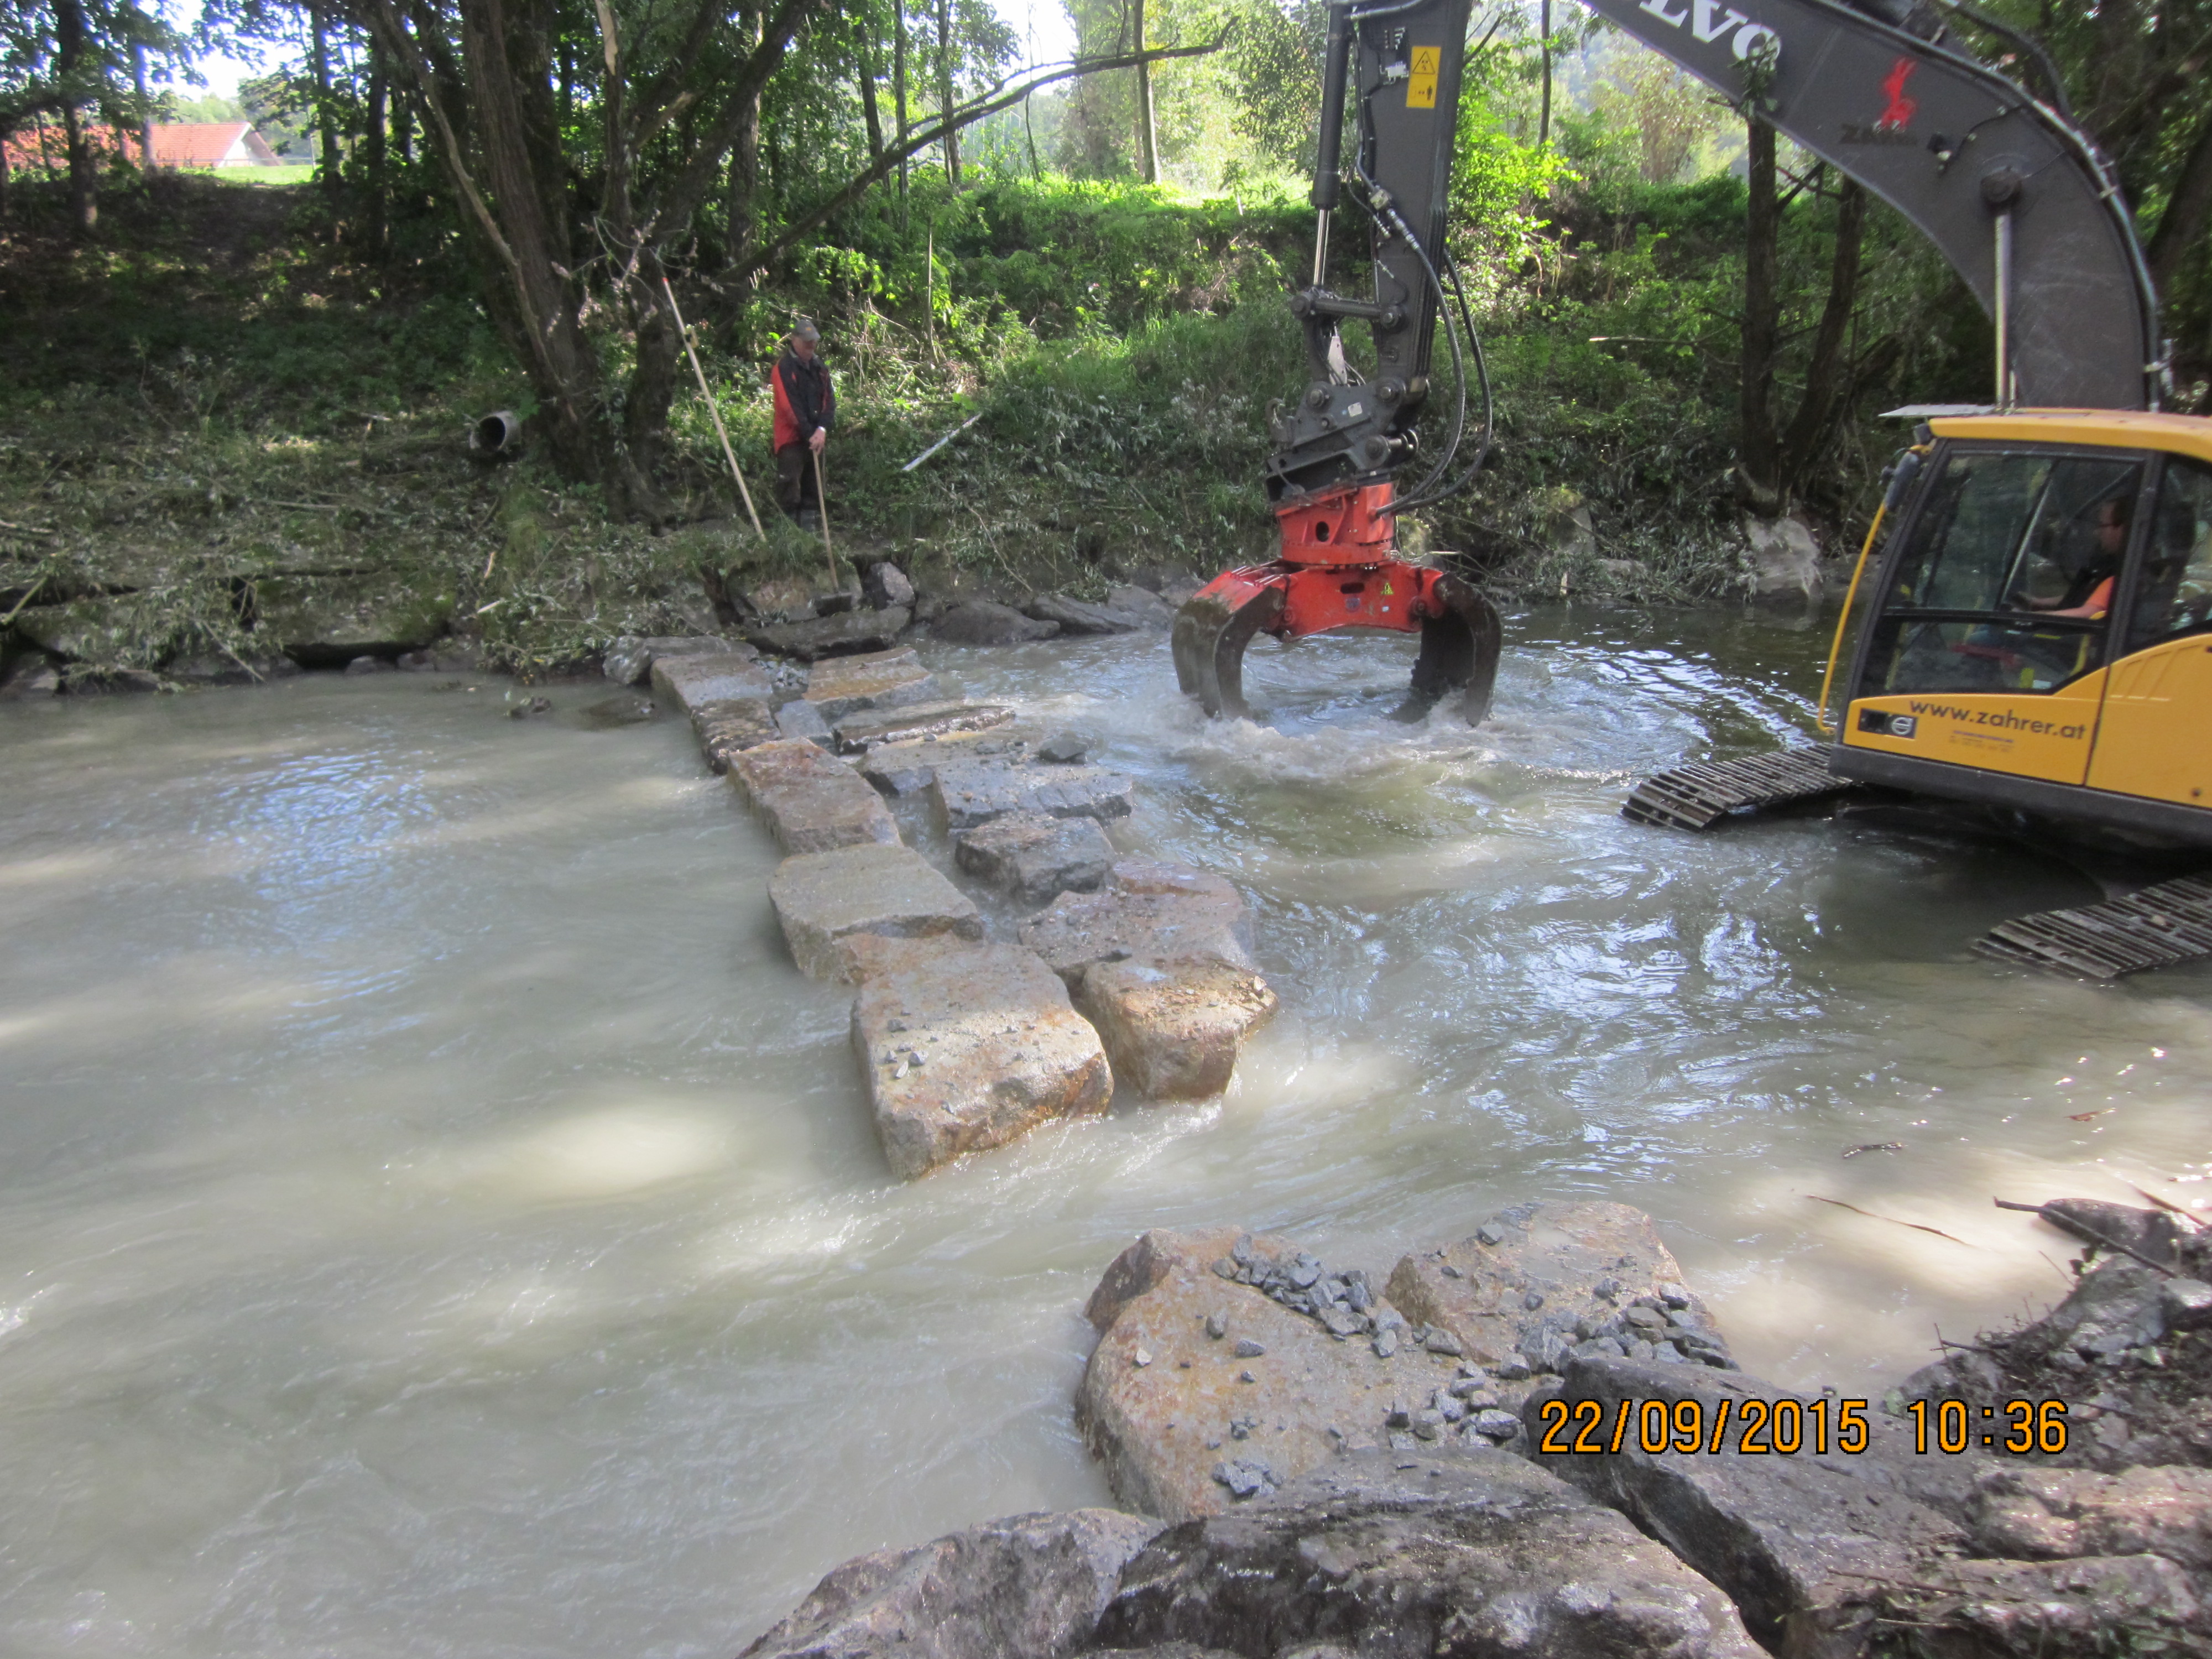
1393 67
2013 195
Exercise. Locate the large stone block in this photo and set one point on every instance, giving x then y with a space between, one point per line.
1031 1585
962 796
688 682
1183 1419
1147 910
966 1047
327 620
826 900
1034 858
726 730
1078 616
979 621
2051 1514
1804 1544
1543 1280
1474 1555
629 660
869 729
1172 1027
845 634
809 801
841 686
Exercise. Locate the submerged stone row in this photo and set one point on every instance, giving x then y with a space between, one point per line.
1138 970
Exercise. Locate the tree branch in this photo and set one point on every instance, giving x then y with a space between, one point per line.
762 254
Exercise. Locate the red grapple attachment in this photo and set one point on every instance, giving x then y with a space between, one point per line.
1339 571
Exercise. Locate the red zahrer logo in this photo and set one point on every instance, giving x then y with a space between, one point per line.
1899 113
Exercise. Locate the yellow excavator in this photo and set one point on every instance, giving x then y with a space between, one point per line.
2033 650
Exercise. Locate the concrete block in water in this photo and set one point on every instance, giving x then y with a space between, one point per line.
1035 858
968 1045
1148 911
908 768
826 900
809 801
629 660
962 796
875 727
687 682
840 686
1172 1028
726 730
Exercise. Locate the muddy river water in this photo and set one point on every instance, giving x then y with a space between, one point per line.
434 1217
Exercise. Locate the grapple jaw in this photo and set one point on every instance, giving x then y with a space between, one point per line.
1309 592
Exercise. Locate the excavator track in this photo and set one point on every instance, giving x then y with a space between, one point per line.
1698 796
2155 927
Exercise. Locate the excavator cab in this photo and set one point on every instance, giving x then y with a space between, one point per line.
2040 637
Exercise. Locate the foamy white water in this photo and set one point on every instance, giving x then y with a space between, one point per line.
434 1217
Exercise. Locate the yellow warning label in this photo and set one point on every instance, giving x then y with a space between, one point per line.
1421 88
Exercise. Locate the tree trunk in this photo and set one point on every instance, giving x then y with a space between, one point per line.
898 94
1544 108
68 58
865 49
1757 458
373 155
1824 373
2182 225
945 105
1147 137
145 108
318 64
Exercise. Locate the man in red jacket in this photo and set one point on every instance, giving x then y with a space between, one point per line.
806 409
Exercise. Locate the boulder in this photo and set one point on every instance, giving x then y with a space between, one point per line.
326 622
33 676
371 666
1804 1544
963 796
838 686
1189 1422
810 802
865 730
824 900
1473 1554
843 635
1542 1281
966 1047
1075 616
886 585
1034 858
1147 910
1031 1585
629 660
1142 605
727 729
978 621
2087 1609
2044 1513
1172 1027
909 767
796 719
688 682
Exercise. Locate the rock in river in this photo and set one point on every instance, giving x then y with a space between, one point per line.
841 635
1165 1431
1031 1585
1147 910
979 621
810 802
838 687
1172 1027
1034 857
826 900
874 727
962 796
968 1045
1472 1554
689 681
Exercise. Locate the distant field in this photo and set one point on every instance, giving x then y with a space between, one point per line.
285 172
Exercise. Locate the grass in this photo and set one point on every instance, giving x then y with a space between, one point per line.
266 176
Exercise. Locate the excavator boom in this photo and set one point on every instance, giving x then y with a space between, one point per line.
2013 194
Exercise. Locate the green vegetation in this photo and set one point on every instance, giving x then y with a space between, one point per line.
226 398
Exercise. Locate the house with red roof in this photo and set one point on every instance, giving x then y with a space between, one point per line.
186 144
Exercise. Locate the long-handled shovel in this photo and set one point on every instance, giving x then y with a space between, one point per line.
822 507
